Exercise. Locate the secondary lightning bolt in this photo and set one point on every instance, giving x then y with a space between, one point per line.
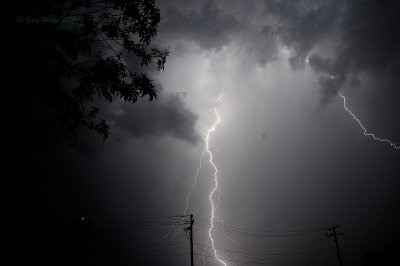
194 182
365 130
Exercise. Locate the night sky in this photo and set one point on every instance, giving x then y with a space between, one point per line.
291 160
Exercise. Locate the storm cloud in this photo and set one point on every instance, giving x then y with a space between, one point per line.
356 34
208 27
167 116
368 45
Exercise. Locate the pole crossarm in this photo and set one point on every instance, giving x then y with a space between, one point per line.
335 234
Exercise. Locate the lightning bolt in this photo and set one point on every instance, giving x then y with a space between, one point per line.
363 128
215 189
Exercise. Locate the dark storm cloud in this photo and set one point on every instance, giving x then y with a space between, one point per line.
332 79
168 116
369 44
302 23
143 120
368 40
213 25
329 87
298 25
209 26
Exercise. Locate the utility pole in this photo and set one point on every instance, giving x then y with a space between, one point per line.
191 239
334 234
189 234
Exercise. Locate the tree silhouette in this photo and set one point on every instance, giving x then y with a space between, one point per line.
65 54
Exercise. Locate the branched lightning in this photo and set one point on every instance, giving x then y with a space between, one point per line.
215 189
363 128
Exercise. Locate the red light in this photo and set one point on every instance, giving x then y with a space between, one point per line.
83 218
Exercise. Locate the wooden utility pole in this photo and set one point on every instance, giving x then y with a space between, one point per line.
191 239
334 234
189 234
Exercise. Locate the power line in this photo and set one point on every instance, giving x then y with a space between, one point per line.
157 255
227 259
168 217
230 254
308 244
254 262
230 260
260 234
271 254
226 251
134 218
157 224
178 219
242 252
161 245
208 222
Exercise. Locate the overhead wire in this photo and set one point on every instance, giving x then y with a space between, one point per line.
179 220
241 252
175 221
263 262
256 233
271 254
246 229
